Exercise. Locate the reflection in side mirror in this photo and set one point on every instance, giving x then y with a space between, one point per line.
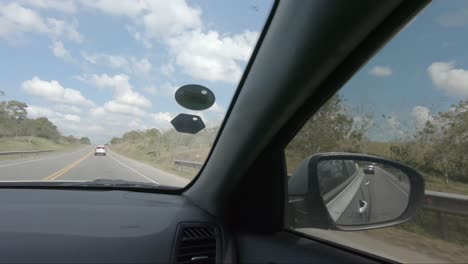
352 192
357 192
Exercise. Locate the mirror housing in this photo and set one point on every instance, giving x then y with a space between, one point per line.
307 207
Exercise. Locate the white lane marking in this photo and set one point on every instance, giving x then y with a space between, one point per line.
398 187
34 160
149 179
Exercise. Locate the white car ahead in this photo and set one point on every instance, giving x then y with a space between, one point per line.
100 150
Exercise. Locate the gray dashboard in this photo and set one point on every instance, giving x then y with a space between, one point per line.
77 226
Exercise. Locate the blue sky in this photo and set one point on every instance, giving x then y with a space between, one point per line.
421 71
99 68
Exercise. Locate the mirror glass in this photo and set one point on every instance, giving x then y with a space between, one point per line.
358 192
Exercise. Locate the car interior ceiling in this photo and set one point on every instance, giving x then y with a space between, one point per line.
307 50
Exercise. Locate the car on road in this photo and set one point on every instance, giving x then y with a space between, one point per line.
369 169
100 150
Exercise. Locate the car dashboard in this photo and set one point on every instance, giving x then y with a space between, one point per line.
112 226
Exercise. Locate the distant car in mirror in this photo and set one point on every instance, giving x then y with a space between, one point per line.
345 191
100 150
369 169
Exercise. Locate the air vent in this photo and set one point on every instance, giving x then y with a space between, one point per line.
196 244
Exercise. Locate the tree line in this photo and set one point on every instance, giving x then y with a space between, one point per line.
438 149
14 122
161 144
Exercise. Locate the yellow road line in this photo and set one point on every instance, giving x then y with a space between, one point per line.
62 171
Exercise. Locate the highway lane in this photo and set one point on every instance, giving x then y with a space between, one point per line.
385 195
82 165
115 166
34 169
33 158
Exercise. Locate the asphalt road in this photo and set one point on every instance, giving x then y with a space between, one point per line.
386 196
82 165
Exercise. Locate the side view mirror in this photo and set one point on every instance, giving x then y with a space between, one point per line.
346 191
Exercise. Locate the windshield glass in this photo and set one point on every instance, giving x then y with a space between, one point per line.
125 91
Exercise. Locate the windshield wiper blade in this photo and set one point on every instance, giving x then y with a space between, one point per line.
117 183
99 183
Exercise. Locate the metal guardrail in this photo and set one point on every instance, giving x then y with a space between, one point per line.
190 164
23 152
446 202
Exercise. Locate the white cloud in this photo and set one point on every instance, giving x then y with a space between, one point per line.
128 64
59 50
162 116
67 108
216 108
16 20
206 55
54 91
159 18
116 61
165 90
151 90
67 6
139 37
122 90
38 111
162 120
59 27
451 80
141 66
169 18
421 115
116 107
381 71
167 69
209 56
73 118
129 8
121 120
59 119
395 126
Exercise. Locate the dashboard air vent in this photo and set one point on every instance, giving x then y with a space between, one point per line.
196 244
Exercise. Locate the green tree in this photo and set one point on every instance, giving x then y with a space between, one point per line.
16 110
85 140
325 130
331 128
132 136
115 141
42 127
446 141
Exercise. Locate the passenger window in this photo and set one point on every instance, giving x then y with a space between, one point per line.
408 104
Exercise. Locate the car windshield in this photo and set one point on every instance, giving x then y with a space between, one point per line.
118 92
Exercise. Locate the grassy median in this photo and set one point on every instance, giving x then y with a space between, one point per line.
164 162
31 144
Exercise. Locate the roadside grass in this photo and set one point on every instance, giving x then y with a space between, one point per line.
165 162
438 184
426 223
31 144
